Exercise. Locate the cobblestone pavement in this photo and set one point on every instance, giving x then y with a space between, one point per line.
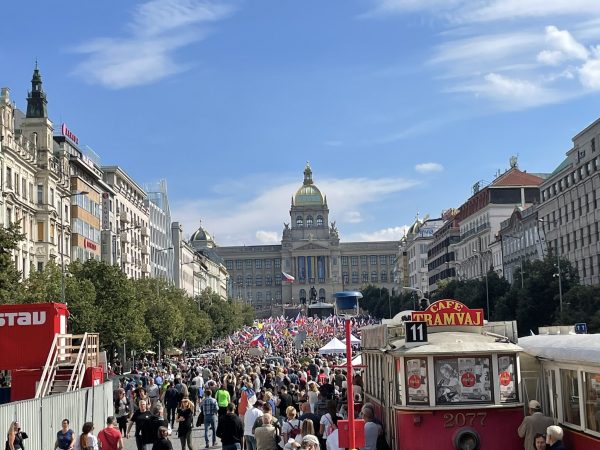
197 439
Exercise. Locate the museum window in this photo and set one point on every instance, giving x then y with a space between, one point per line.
299 221
268 280
344 260
354 260
383 260
277 280
363 260
319 221
309 221
384 277
365 277
249 280
303 295
355 277
248 264
277 263
258 263
373 259
239 280
268 263
258 280
322 295
229 264
374 277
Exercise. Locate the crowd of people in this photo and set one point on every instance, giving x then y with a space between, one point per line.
266 387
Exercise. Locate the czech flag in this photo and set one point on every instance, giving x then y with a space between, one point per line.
287 278
258 341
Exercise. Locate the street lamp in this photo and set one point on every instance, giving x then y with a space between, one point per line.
558 274
417 290
479 253
62 242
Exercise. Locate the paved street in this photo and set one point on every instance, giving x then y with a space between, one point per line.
197 440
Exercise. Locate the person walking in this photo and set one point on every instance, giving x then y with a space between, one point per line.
150 434
65 437
223 399
86 440
185 419
172 398
266 435
252 414
139 418
209 408
122 411
231 430
153 392
110 437
15 437
536 422
163 442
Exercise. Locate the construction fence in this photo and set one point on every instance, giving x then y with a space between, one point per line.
41 418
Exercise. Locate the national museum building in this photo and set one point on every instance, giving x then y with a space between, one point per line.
312 253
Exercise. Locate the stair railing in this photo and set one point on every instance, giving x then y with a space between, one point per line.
49 369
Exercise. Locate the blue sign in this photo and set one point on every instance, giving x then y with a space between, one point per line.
581 328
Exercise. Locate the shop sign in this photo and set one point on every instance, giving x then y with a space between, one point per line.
89 244
449 313
68 133
11 319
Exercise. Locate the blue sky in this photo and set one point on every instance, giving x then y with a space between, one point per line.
399 105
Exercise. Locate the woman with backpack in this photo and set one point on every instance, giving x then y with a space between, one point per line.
292 426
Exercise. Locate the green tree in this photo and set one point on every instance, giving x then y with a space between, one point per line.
11 289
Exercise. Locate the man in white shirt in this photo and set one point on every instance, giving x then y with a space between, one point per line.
252 413
198 381
153 392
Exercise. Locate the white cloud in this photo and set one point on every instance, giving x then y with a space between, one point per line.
353 217
235 222
564 47
589 74
386 234
429 167
157 29
268 237
551 57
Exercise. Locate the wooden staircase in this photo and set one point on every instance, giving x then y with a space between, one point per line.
69 356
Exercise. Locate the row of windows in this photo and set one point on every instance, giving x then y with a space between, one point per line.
257 263
257 297
86 230
577 409
258 280
83 201
573 210
383 260
309 221
571 179
375 277
578 238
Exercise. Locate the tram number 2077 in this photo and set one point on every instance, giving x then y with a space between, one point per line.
462 419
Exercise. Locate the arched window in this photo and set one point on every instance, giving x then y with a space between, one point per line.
319 221
309 221
299 221
321 295
303 295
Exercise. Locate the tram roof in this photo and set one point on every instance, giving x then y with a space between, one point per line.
456 342
576 348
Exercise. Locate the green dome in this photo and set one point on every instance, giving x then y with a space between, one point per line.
308 194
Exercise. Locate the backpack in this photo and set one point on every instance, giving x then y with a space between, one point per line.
295 431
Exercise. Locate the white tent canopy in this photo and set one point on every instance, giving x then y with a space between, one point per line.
333 347
356 361
353 339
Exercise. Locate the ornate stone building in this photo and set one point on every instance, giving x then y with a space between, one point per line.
312 253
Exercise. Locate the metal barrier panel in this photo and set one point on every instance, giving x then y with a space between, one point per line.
41 418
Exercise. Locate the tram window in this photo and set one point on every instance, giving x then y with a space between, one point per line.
416 381
570 396
592 401
463 380
400 387
507 379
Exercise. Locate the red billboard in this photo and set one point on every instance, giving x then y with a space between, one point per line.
27 332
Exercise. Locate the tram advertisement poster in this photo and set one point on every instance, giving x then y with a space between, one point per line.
416 380
506 376
463 380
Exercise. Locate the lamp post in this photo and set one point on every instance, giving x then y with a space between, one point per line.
479 253
62 242
417 290
347 306
558 274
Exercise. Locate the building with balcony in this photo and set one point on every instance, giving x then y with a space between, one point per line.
568 214
132 224
33 179
441 259
481 215
312 253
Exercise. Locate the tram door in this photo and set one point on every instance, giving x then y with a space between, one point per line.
390 378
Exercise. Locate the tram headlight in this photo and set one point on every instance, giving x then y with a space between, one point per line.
466 439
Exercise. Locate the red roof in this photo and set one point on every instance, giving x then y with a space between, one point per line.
514 177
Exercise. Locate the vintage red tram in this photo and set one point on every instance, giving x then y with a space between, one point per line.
456 388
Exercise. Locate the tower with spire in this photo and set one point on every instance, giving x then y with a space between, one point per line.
36 98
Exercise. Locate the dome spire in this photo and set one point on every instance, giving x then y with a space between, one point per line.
307 174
